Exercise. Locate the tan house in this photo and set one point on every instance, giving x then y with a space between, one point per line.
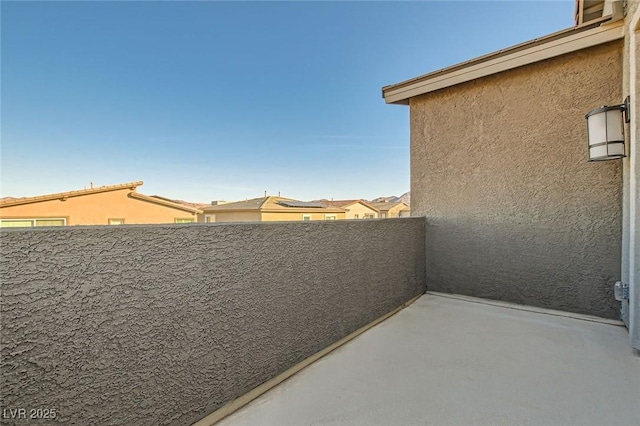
510 174
356 209
270 209
104 205
389 209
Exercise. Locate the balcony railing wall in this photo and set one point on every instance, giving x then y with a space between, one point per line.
164 324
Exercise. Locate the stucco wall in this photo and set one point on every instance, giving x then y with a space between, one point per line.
98 208
235 216
631 176
514 210
280 217
155 325
360 210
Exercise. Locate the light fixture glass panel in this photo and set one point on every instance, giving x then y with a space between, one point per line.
598 151
616 149
615 130
597 128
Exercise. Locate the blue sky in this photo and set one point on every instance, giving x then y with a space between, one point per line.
224 100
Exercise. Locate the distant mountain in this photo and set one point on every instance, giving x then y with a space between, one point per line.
405 198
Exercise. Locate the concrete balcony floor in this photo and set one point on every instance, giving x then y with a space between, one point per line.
448 360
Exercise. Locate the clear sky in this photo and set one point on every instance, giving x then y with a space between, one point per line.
224 100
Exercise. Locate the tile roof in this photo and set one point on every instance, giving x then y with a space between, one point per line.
163 202
10 201
182 202
388 206
38 198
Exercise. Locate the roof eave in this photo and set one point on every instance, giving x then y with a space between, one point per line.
164 203
556 44
77 193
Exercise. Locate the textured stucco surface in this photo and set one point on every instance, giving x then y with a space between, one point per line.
152 325
514 210
631 176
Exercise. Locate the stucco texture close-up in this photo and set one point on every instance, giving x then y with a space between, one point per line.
163 324
514 210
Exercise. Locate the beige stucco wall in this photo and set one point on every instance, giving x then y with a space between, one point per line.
393 211
514 210
97 209
294 216
360 210
235 216
264 217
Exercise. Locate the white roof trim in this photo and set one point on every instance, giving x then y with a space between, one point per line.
439 80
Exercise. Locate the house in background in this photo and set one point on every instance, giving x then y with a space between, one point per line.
501 170
104 205
390 209
269 209
356 209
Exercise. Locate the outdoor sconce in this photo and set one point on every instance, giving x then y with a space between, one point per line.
606 131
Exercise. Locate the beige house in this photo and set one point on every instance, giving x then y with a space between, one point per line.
104 205
269 209
500 165
390 209
356 209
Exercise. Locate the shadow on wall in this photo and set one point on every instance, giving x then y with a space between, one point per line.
543 265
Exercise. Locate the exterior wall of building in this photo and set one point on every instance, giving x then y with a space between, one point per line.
291 216
163 324
514 210
393 211
98 208
361 210
631 175
231 217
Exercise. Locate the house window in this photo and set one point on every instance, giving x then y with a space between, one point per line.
184 220
369 216
306 217
15 223
383 215
210 218
356 216
330 217
116 221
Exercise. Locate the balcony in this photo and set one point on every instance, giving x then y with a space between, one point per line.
181 324
451 360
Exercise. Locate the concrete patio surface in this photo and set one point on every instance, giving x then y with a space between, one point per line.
448 360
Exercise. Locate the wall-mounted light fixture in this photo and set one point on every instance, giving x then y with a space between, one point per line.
606 131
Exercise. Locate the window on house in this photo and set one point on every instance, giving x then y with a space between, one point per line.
330 217
306 217
383 215
369 216
184 220
15 223
210 218
356 216
116 221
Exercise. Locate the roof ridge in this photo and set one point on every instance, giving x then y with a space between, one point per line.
264 202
